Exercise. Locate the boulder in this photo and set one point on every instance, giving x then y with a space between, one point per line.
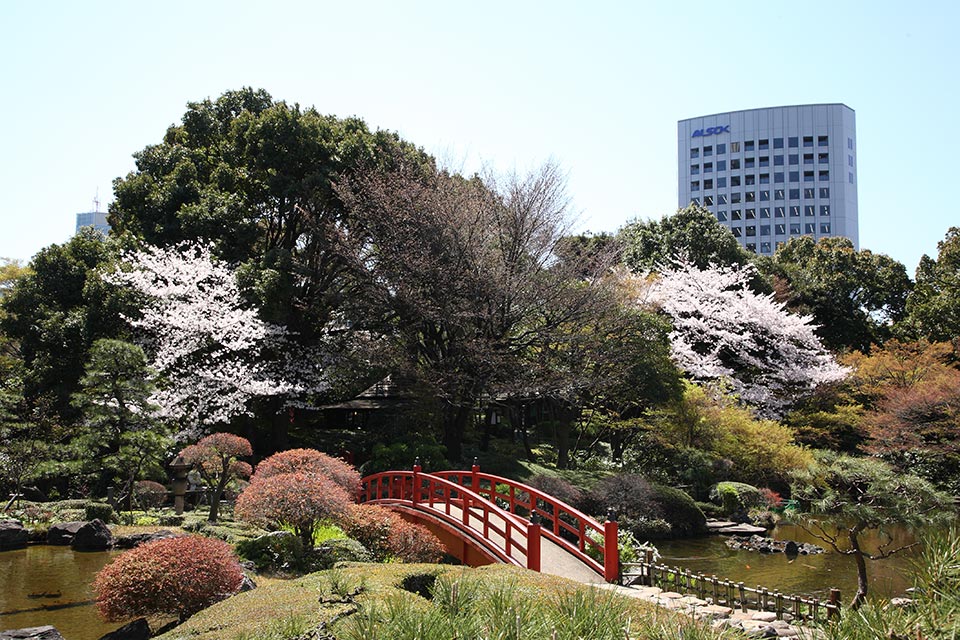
137 539
93 536
32 633
741 530
62 533
247 584
136 630
12 535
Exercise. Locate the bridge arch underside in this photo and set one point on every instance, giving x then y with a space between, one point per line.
466 548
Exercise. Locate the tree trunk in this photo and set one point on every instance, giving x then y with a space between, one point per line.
861 594
453 429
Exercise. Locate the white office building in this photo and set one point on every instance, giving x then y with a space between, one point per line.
773 174
95 219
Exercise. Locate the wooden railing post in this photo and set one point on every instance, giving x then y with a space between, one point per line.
416 480
833 608
648 560
611 549
533 543
475 477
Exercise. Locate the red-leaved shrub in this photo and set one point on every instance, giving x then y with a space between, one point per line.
297 500
313 462
174 576
216 458
414 543
150 494
771 498
384 533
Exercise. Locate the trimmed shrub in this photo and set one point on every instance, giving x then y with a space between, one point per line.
98 511
310 461
385 534
275 551
637 500
644 528
557 487
149 494
414 543
296 500
337 550
737 498
174 576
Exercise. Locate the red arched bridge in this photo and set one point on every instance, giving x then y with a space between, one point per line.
483 518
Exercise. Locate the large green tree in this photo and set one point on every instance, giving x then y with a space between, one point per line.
855 297
933 307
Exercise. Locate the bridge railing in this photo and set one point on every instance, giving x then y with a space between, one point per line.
566 526
461 507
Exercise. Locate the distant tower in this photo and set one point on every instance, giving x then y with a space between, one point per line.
96 218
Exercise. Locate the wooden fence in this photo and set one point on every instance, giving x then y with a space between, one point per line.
735 595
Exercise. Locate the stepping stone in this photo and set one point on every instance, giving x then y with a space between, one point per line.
741 530
764 616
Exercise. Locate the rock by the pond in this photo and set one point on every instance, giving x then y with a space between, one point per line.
139 629
12 535
93 536
715 526
137 539
32 633
62 533
761 544
741 530
247 584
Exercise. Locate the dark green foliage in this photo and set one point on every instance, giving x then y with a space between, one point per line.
636 499
98 511
400 455
737 498
335 550
692 231
933 307
274 552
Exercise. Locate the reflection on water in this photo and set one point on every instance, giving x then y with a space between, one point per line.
808 575
43 585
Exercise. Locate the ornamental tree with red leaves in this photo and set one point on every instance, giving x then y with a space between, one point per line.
385 533
313 462
216 458
296 500
175 576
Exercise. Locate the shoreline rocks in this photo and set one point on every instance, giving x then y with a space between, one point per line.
92 536
13 535
761 544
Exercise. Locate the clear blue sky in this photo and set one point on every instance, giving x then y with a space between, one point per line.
596 86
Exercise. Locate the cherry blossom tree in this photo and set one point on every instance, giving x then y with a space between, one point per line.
216 457
213 351
724 332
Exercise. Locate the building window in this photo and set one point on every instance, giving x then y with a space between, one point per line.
721 182
764 178
794 159
810 227
778 177
794 176
808 158
736 231
734 181
849 143
793 142
794 194
750 214
734 164
708 184
765 193
748 146
707 200
764 161
849 161
824 227
749 163
807 141
808 176
695 200
808 193
823 158
765 247
779 212
764 212
850 177
735 197
825 210
708 167
778 143
778 161
721 216
721 165
722 198
752 246
778 193
735 215
763 145
809 210
780 229
751 231
749 180
823 141
750 196
721 149
795 211
694 169
824 176
695 185
764 229
795 229
734 147
695 153
824 192
707 151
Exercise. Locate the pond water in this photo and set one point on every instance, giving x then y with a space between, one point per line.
44 584
812 575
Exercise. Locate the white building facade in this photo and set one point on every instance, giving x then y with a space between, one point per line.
773 174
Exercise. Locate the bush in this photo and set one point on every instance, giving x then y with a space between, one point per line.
414 543
275 551
313 462
644 528
635 499
149 494
558 488
98 511
385 534
174 576
737 498
337 550
296 500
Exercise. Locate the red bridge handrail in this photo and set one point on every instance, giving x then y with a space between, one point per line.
423 489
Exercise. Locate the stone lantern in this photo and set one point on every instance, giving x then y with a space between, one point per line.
179 467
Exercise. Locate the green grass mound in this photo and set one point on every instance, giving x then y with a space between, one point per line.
427 602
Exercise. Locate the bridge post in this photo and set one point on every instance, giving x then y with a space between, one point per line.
533 543
416 480
474 478
611 548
